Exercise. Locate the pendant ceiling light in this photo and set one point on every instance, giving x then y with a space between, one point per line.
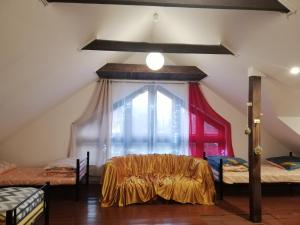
155 60
295 70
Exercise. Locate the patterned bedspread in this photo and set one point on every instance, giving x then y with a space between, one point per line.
12 196
34 176
269 174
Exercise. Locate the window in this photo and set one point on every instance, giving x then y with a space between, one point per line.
149 120
209 132
213 141
206 135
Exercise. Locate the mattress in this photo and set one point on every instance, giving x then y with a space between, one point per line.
28 210
269 174
34 176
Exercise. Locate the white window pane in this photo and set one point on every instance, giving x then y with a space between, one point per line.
164 148
193 124
184 131
210 129
164 115
117 149
154 119
140 116
138 148
118 122
211 148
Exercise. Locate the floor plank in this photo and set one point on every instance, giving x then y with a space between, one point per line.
233 210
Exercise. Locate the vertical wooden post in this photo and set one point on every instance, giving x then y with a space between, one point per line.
254 112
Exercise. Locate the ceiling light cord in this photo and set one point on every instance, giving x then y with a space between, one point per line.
155 60
155 20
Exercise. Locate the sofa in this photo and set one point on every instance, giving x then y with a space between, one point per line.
140 178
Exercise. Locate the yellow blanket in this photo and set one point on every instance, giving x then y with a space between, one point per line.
139 178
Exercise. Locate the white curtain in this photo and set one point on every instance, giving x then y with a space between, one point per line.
91 132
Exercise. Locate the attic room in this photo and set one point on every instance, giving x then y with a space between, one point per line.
149 112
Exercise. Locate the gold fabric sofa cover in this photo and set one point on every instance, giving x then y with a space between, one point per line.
140 178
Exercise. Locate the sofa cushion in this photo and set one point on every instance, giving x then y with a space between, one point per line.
136 190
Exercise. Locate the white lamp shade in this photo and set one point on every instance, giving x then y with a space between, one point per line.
295 70
155 60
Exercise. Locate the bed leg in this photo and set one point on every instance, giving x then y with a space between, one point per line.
221 194
46 204
87 179
77 192
87 175
204 155
77 180
291 190
9 217
221 183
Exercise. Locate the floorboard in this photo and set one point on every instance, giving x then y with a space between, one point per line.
277 210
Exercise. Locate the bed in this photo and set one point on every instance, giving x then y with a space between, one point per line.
270 174
23 205
38 176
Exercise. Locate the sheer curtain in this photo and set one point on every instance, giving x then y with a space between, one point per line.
91 132
209 132
149 118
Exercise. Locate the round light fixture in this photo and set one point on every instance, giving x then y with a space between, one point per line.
295 70
155 60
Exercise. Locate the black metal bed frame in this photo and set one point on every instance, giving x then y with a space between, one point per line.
82 171
12 215
220 183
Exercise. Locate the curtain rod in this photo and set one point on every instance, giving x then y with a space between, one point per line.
149 81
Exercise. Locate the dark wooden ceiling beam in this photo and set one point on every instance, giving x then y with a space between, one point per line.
264 5
108 45
142 72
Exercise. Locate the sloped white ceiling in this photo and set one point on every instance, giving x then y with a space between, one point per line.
292 122
40 61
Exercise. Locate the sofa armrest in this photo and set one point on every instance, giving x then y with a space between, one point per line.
109 186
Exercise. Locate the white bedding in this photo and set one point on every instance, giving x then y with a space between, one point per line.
269 174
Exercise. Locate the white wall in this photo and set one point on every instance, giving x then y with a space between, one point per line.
47 138
271 147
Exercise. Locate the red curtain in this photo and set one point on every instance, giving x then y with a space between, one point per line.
209 132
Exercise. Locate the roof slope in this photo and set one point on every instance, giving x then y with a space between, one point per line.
40 61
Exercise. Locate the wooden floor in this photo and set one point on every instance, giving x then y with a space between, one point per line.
233 210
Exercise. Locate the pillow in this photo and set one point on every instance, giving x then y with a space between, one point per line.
6 166
285 162
62 164
232 164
